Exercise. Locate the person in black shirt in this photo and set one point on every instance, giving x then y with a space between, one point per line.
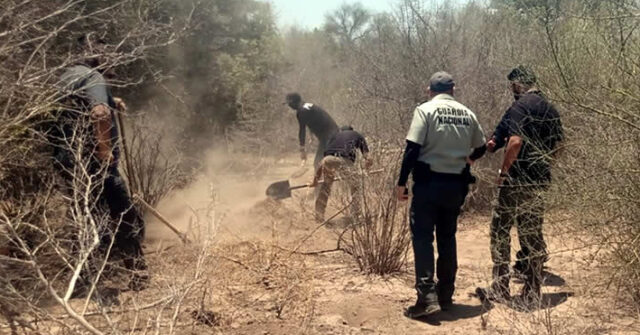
320 123
530 129
339 159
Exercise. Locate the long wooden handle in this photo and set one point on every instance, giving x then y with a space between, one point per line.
337 179
162 219
133 185
298 187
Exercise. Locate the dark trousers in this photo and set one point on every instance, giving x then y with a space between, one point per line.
523 207
126 226
435 206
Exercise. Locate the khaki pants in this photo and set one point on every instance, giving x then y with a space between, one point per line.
336 167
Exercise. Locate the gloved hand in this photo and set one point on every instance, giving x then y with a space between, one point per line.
313 183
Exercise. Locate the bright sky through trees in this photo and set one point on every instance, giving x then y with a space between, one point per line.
310 13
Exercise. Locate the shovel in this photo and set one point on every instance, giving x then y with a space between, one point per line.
282 189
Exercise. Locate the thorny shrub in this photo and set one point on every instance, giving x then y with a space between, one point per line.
378 233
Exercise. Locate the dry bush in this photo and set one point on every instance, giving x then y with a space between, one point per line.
49 259
598 176
378 236
152 170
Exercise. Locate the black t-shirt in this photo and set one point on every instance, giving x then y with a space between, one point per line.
538 123
319 122
345 143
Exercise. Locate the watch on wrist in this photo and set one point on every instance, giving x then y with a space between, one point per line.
502 174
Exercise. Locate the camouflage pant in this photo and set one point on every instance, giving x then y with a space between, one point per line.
336 167
523 207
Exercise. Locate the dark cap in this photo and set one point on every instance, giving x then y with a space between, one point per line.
522 74
441 82
294 97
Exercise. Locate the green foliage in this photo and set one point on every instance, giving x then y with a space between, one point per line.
229 48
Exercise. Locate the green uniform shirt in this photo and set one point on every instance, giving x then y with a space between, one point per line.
447 131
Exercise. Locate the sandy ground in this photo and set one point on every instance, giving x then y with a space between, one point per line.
258 286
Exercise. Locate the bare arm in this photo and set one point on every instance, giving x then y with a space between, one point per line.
511 155
364 149
302 132
101 119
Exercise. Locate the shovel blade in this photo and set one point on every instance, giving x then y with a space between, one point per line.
279 190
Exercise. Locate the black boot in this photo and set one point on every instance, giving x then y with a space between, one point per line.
426 304
499 289
497 292
445 305
140 279
421 309
445 294
139 282
530 297
522 263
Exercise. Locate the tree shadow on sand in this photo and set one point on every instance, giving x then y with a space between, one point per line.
454 313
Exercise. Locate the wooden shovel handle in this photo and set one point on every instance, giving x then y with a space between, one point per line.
298 187
162 219
337 179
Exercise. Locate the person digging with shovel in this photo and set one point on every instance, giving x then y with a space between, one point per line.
88 114
319 122
339 161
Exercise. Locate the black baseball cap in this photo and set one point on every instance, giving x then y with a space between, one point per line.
293 97
441 82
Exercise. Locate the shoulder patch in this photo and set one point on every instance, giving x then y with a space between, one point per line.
307 106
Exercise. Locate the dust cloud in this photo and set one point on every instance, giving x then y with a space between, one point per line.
222 199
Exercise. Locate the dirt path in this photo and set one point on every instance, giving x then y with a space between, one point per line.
269 290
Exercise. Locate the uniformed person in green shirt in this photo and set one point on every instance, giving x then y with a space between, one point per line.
444 139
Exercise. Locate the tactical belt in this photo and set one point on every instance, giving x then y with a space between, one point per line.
422 173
